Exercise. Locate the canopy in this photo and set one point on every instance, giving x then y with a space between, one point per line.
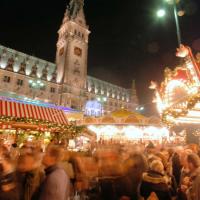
21 110
123 113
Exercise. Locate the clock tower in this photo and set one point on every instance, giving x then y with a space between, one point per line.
71 55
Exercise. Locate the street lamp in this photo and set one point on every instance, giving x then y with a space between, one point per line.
35 84
161 13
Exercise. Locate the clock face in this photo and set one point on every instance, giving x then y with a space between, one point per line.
61 51
78 51
77 71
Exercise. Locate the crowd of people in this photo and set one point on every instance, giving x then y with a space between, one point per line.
106 172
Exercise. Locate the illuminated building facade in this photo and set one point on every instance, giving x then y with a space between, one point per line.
65 82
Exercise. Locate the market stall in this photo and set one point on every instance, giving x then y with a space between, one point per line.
24 119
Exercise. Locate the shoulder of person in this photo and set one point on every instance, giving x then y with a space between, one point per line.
58 173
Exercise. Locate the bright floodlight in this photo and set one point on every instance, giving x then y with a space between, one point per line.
161 13
142 108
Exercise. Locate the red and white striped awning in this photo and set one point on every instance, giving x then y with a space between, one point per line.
5 126
20 110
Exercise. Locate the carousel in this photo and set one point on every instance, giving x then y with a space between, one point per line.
124 126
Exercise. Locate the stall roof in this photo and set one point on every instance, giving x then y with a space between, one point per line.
23 110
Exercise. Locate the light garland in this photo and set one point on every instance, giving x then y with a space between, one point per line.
170 112
63 131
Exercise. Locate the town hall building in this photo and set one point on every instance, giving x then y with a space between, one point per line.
65 82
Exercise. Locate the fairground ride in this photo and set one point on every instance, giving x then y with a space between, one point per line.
178 96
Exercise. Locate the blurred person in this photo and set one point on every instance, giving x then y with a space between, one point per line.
30 176
56 185
128 185
8 183
67 166
185 174
150 148
171 179
14 151
109 169
154 181
176 167
69 169
193 192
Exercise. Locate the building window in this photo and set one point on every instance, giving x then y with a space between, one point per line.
52 90
6 79
20 82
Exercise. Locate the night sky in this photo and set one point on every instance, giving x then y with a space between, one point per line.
127 41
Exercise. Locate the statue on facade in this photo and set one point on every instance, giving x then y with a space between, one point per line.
10 63
34 71
54 76
22 67
45 72
74 7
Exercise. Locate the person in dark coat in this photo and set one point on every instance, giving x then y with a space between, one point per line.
154 181
56 185
176 167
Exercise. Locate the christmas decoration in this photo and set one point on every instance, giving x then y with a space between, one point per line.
178 97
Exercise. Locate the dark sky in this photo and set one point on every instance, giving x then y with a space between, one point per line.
127 41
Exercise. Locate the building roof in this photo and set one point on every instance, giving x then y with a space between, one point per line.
19 57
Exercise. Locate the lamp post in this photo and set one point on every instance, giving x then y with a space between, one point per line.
35 84
161 13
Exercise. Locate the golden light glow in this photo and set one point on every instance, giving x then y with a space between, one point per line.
129 132
178 97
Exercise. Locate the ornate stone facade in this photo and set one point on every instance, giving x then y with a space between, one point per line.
66 82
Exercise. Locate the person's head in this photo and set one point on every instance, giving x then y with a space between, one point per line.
193 161
52 156
157 166
183 158
150 148
27 162
162 159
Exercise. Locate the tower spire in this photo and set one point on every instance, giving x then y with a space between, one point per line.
74 7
